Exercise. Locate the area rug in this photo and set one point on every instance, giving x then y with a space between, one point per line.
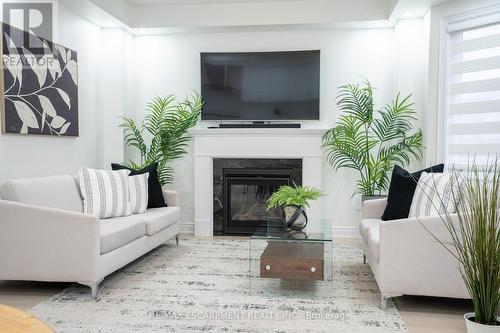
202 286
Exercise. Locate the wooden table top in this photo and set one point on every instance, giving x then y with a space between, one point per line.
16 321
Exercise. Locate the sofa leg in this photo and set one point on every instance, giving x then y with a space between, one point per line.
383 301
177 240
385 297
364 258
93 287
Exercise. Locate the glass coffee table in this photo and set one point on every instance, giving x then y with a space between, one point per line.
291 263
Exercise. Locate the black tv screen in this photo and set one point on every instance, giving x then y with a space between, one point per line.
260 85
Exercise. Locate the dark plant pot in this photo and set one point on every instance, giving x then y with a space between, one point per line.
295 217
372 197
473 327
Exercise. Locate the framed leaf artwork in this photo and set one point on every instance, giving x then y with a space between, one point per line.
39 85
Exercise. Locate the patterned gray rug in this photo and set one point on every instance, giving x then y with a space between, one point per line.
202 285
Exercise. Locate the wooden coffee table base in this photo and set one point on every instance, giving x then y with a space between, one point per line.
16 321
293 260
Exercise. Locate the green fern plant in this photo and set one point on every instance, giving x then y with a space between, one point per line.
293 195
371 141
167 123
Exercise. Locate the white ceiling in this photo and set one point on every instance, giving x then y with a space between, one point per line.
167 16
196 2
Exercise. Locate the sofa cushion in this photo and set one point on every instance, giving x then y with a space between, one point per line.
120 231
155 193
433 196
158 219
138 189
401 190
55 192
105 193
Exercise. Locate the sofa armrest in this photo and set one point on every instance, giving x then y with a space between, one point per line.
413 262
171 198
374 208
47 244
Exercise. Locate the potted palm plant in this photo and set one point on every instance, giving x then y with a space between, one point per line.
165 126
294 200
371 141
475 240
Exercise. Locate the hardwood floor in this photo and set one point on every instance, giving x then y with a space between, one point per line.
25 294
421 314
433 314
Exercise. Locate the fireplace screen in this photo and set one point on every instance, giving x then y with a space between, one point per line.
246 193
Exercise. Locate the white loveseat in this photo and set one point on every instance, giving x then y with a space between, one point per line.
405 258
44 236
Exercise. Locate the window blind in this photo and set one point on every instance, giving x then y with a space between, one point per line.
472 94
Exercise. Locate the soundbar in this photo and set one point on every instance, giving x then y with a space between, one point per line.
260 125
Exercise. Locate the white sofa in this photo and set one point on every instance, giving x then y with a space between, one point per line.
405 258
44 236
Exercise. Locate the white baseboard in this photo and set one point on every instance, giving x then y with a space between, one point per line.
345 232
187 228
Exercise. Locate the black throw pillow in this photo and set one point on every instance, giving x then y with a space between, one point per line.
155 193
401 190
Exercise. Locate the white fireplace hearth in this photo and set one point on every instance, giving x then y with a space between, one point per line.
250 143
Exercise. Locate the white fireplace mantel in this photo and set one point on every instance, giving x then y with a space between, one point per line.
250 143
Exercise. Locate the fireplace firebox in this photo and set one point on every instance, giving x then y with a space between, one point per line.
246 192
242 188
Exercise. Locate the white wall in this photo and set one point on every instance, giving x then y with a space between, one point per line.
29 156
170 64
114 92
411 60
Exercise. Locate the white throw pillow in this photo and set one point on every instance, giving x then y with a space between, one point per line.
105 193
433 195
138 187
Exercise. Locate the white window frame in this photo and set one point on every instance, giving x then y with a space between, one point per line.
450 24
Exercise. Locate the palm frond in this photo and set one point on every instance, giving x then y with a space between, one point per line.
341 144
133 136
156 111
168 123
357 100
371 141
403 151
395 120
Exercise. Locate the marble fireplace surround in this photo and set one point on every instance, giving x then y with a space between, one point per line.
293 143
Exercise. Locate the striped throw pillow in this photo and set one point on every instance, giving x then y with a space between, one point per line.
138 186
105 193
433 195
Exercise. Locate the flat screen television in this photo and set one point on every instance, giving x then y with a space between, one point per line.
260 86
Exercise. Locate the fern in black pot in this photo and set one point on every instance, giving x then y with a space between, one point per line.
294 200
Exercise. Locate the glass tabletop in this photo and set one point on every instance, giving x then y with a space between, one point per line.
317 230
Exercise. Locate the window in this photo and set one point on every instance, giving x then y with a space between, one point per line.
472 95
